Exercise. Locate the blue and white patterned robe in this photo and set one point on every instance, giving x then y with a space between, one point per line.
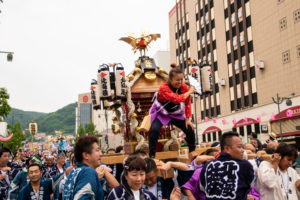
45 191
122 193
83 183
17 184
50 172
226 178
4 185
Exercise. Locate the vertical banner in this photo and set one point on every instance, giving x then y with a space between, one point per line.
95 95
206 79
93 91
104 76
120 82
195 72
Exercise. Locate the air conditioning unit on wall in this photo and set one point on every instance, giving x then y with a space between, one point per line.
259 64
221 82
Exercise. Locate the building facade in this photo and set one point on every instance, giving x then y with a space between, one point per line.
253 48
102 119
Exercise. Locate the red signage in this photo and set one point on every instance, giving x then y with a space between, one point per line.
284 114
244 122
211 129
85 99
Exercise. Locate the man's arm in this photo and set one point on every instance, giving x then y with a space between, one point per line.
111 180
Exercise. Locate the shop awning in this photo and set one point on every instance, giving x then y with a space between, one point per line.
284 114
211 129
242 122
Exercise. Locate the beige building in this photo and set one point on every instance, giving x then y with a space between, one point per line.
253 48
101 118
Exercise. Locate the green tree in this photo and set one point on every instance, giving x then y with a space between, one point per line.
80 131
16 141
90 128
4 106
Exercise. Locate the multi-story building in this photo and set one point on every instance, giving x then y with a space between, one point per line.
102 119
84 110
253 48
162 59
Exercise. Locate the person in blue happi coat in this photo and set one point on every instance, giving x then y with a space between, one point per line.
83 181
21 179
37 189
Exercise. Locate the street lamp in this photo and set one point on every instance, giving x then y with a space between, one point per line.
9 55
278 101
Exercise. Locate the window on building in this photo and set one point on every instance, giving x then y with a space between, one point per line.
216 88
240 14
211 3
214 44
239 4
257 128
249 130
234 43
241 28
237 79
241 130
213 24
298 51
220 134
231 105
241 38
230 81
232 18
297 15
248 21
243 65
250 46
235 55
244 75
214 136
242 51
232 8
201 21
203 138
208 137
233 31
252 72
254 98
239 103
218 110
229 58
236 66
226 13
227 36
246 101
282 24
286 57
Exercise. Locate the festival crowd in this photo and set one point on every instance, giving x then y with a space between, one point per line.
227 172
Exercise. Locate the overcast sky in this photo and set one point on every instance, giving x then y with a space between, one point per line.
59 45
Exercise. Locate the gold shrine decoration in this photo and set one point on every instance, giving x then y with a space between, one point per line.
150 76
140 43
33 128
